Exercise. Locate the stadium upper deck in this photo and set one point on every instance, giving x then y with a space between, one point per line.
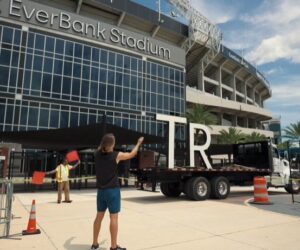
168 79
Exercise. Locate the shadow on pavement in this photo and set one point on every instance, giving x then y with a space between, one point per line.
235 197
281 204
12 237
155 199
69 246
250 193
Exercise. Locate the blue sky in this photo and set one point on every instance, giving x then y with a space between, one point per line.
266 33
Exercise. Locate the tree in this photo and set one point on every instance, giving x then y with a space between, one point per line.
283 145
255 136
201 114
231 136
293 130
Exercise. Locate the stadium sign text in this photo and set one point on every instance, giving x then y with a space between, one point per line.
67 22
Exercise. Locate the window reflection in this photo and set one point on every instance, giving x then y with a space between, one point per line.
61 69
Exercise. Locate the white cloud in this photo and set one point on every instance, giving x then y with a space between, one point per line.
286 94
272 71
214 10
285 99
277 23
277 12
283 46
242 37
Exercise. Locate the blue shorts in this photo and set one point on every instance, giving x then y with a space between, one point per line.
109 198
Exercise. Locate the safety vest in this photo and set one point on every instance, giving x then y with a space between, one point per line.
62 173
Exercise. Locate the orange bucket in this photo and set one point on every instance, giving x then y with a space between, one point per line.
260 191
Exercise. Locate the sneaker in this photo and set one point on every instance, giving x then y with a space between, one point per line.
68 201
94 247
118 248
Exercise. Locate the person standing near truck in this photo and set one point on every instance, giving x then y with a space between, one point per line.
62 178
108 194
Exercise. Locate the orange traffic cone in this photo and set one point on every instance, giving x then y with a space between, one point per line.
260 191
31 227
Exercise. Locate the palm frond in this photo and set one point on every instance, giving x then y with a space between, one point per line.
293 130
200 114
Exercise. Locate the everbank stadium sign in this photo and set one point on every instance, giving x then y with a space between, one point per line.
35 13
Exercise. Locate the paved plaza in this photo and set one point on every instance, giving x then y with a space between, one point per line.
151 221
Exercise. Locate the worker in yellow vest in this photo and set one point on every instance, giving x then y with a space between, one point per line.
62 178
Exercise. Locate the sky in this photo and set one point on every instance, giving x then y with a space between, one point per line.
266 33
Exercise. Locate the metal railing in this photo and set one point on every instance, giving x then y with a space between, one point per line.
201 30
6 196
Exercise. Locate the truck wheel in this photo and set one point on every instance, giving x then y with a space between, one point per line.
197 188
293 188
170 189
220 187
186 186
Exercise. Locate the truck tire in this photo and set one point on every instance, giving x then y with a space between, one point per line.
293 188
197 188
170 189
186 185
220 187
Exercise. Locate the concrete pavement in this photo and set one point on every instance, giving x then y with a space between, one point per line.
151 221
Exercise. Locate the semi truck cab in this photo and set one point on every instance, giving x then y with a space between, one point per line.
282 176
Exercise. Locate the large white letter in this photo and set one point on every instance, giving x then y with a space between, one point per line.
114 35
12 7
64 21
171 120
78 26
42 16
199 148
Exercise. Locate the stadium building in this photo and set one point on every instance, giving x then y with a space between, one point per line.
65 63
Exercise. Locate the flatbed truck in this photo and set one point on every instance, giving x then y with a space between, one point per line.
211 181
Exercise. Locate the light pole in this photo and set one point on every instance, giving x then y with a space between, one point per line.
160 20
159 11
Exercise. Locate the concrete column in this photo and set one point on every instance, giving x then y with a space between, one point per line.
234 89
220 116
258 125
245 88
234 120
253 95
219 79
200 77
246 123
260 100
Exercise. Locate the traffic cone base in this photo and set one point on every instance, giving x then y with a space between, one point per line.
260 203
36 231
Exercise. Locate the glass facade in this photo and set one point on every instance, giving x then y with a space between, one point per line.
48 81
